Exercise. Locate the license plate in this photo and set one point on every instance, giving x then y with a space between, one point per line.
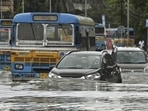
43 75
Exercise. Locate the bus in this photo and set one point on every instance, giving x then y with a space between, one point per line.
102 42
100 36
40 39
121 39
5 44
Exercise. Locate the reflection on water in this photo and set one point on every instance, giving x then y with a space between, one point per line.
74 94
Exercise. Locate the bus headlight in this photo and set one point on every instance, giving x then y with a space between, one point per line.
52 75
19 66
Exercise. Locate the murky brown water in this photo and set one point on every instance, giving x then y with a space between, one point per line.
74 94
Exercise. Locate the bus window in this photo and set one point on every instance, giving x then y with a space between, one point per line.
4 35
30 31
50 32
78 39
65 33
131 34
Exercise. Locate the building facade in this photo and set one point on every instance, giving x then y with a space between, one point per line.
6 9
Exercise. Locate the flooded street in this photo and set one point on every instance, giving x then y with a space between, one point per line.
74 94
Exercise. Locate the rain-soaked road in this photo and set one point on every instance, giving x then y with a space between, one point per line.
74 94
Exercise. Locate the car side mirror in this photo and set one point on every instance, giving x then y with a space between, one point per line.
50 68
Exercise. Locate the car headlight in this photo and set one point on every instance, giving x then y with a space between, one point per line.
19 66
52 75
95 76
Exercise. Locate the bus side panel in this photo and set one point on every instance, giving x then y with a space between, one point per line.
5 61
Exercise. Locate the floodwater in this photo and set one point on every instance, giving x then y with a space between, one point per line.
74 94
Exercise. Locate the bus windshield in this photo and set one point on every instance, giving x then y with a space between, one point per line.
30 31
55 34
99 30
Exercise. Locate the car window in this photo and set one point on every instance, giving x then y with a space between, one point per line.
131 57
68 61
121 57
82 61
139 57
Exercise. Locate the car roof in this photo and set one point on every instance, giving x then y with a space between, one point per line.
88 52
128 49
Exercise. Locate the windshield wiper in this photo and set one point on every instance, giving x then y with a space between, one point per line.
72 67
140 62
32 30
132 62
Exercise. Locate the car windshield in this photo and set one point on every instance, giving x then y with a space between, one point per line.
80 61
131 57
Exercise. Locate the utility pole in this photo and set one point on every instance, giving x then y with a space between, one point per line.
1 10
127 18
121 1
23 6
50 6
86 8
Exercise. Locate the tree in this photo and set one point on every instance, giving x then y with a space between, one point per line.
115 11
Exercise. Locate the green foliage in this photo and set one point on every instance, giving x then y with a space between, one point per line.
115 11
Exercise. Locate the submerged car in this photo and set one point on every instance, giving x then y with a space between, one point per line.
92 65
130 59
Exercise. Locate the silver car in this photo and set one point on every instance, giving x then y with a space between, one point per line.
131 59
